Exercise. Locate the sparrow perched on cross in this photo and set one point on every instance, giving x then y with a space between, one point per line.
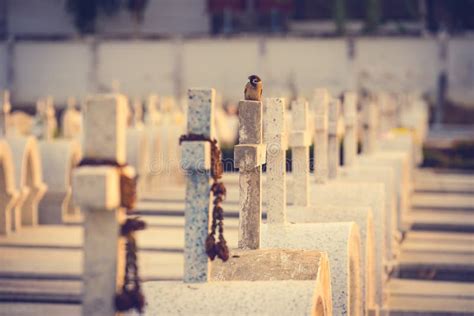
253 88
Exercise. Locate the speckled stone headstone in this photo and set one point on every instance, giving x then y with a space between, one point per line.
195 160
333 141
350 124
97 193
320 108
249 155
275 139
300 141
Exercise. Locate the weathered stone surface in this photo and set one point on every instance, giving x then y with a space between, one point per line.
200 114
28 178
362 216
300 140
360 194
97 188
197 216
320 108
196 156
105 127
250 205
58 158
399 164
275 136
250 122
301 186
197 161
350 127
268 264
250 180
138 155
8 191
369 124
104 261
341 241
247 156
333 140
97 192
385 175
241 298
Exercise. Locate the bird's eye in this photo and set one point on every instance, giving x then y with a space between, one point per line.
254 81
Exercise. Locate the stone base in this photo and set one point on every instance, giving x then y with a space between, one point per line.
342 243
236 298
362 216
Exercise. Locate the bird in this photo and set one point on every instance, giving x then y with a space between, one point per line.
253 88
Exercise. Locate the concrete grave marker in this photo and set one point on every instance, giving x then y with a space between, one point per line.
196 161
300 140
249 155
97 192
275 139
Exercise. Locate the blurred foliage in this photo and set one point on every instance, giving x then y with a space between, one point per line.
86 12
339 15
372 18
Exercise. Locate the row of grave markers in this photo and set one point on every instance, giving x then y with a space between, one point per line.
262 139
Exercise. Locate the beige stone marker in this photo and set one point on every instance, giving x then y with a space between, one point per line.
320 108
349 108
333 139
8 192
196 161
275 139
97 192
29 179
369 125
249 155
300 140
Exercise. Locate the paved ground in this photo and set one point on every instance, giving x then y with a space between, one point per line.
40 267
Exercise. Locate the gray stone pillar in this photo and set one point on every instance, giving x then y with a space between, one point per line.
333 139
350 128
300 140
249 155
320 108
97 192
196 161
275 139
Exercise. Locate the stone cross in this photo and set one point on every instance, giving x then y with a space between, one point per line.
5 113
300 140
196 161
49 122
369 121
97 192
137 113
249 156
333 139
350 127
275 139
320 109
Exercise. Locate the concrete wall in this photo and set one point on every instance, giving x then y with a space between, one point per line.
461 70
57 69
167 66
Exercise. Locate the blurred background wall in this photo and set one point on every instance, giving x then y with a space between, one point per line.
74 47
